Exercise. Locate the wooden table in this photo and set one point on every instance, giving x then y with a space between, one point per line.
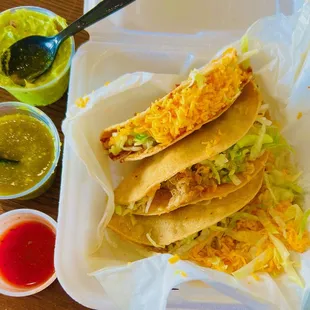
53 297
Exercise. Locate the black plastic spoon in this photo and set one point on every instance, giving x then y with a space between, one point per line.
30 57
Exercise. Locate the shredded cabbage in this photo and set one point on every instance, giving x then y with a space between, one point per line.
268 185
184 245
239 215
251 237
214 170
220 160
118 210
234 179
230 166
140 138
244 58
257 147
264 121
261 235
131 142
244 43
277 218
197 77
119 144
250 140
285 262
303 224
217 228
148 204
154 244
255 265
266 222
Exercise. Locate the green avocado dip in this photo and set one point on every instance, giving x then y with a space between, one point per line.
30 143
21 23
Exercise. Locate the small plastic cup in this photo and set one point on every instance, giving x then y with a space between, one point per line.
13 218
39 188
47 93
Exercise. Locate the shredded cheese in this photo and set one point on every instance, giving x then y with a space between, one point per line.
235 254
174 259
181 273
82 102
187 107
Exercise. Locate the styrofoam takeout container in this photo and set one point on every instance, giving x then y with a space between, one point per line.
155 36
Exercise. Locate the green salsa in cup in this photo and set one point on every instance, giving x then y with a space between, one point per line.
29 151
18 23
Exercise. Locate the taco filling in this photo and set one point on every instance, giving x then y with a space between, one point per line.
259 237
203 97
236 165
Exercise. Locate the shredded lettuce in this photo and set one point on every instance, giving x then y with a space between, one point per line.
235 179
117 147
259 237
184 245
268 185
220 160
285 261
250 140
256 264
279 221
279 178
271 228
258 246
217 228
257 147
251 237
242 215
226 166
244 42
197 77
148 204
132 142
214 170
264 120
303 224
154 244
118 210
140 138
290 213
245 56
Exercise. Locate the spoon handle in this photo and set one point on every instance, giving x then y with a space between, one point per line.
100 11
8 161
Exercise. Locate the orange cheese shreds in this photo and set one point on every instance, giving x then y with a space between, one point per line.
185 108
174 259
299 115
82 102
181 273
224 253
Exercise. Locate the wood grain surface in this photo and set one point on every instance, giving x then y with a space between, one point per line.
53 297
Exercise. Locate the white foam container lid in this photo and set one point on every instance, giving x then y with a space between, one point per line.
162 36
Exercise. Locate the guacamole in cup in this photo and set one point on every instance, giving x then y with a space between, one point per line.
21 22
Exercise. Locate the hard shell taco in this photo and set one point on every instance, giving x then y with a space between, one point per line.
221 157
203 97
162 230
